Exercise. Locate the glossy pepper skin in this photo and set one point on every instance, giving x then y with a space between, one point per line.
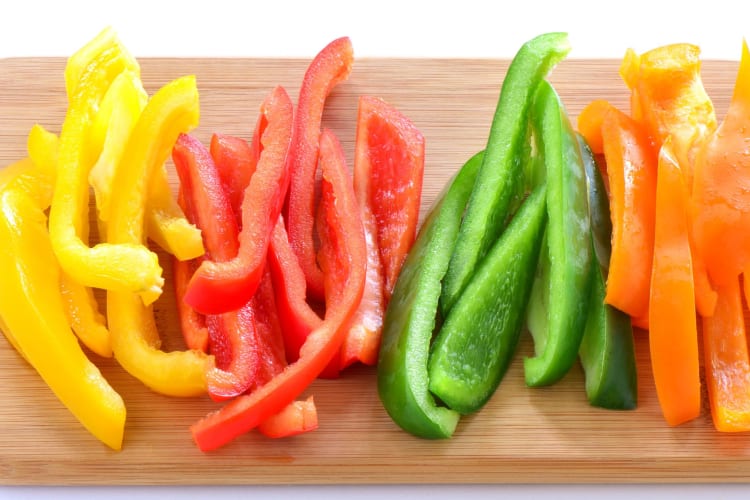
499 184
221 286
126 267
33 317
343 258
171 111
410 319
607 350
330 67
477 341
557 310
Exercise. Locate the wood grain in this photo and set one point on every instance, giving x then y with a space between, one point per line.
522 435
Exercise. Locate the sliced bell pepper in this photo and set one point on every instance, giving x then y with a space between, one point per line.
559 302
671 99
298 417
232 335
297 318
607 350
132 268
631 169
192 323
236 159
412 313
720 206
476 343
331 66
726 361
499 185
171 111
33 316
589 124
388 172
221 286
673 337
343 259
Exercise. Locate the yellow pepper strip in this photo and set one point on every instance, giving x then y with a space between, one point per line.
174 109
125 267
81 307
33 314
166 223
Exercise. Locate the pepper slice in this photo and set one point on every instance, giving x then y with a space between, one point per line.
673 336
135 340
388 172
475 345
129 267
631 169
34 320
726 360
331 66
218 287
499 184
343 259
607 350
411 316
236 161
557 309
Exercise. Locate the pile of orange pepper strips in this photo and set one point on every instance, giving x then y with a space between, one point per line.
680 204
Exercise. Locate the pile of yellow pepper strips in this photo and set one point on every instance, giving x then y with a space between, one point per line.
113 134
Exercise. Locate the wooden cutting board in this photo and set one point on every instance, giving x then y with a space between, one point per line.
522 435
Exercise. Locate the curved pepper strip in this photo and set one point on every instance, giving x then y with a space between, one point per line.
81 307
720 204
236 159
557 309
477 342
128 267
673 336
631 169
499 184
297 318
331 66
192 323
343 259
221 286
232 335
607 350
33 316
726 361
410 319
135 340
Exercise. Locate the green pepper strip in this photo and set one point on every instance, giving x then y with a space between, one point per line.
499 182
559 302
410 318
607 350
477 342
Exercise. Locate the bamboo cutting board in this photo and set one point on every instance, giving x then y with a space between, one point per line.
522 435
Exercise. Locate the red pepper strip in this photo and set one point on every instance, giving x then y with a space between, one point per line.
297 318
236 160
673 336
388 172
221 285
232 336
343 260
727 362
362 342
192 323
331 66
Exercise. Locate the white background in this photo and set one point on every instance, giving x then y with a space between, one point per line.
379 28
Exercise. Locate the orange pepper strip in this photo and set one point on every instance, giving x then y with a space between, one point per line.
721 190
727 362
631 167
589 124
673 336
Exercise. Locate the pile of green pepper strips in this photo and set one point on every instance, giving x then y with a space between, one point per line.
519 239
